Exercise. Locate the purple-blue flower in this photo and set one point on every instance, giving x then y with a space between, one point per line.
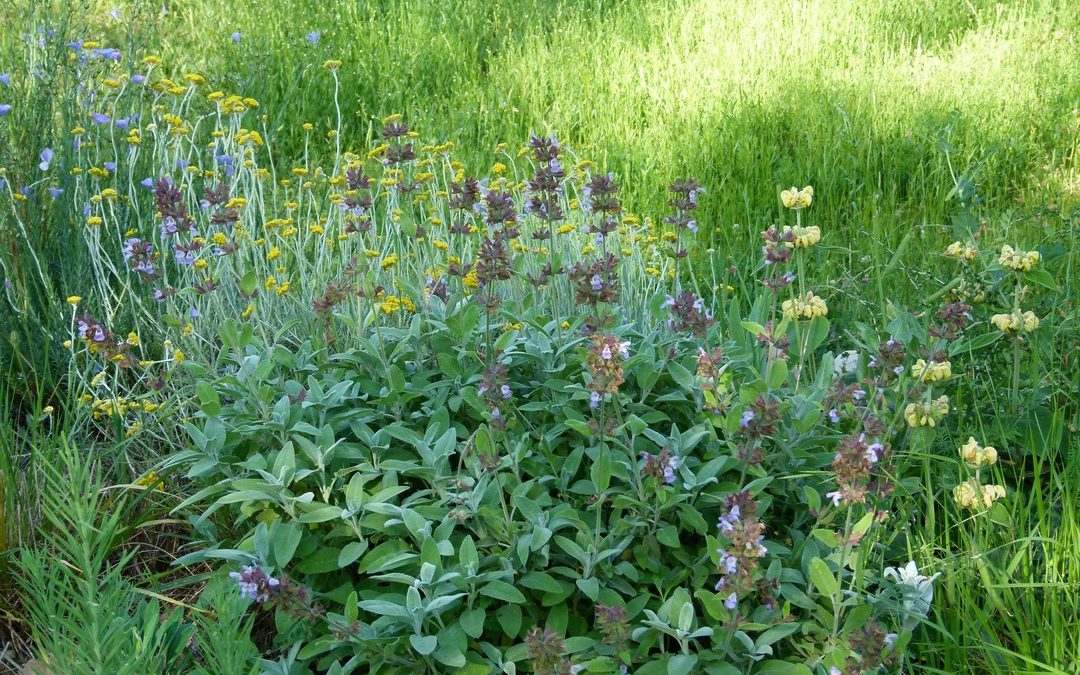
5 79
235 37
5 108
110 166
56 192
99 118
732 602
46 159
138 79
313 37
147 183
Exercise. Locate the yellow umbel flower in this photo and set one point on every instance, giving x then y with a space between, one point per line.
935 371
975 455
73 300
796 198
808 307
961 251
389 261
1025 322
971 495
1021 261
927 414
802 237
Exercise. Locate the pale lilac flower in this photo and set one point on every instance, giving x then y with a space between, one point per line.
746 418
836 497
56 192
594 400
5 108
313 37
235 37
5 79
834 416
732 602
46 159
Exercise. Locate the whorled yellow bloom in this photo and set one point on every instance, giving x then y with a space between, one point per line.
803 237
389 261
961 251
927 414
807 307
1025 322
971 495
796 198
976 455
1021 261
935 371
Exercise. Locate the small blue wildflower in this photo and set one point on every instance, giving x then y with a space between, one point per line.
110 166
46 159
147 183
5 79
235 37
594 400
138 79
56 192
5 108
313 37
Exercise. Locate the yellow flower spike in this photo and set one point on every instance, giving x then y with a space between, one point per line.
248 311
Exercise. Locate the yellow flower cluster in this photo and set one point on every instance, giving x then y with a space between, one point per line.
1021 261
961 251
116 406
808 307
935 371
976 455
803 237
1025 322
927 414
796 198
971 495
393 303
389 261
150 480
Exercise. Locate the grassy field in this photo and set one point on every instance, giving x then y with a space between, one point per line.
917 123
